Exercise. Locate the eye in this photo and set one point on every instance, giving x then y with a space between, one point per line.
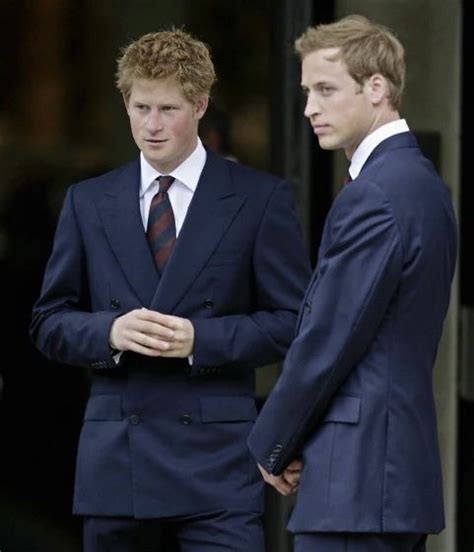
326 90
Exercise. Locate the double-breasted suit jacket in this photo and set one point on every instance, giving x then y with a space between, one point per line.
162 437
355 396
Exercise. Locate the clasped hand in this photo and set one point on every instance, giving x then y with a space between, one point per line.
287 482
152 334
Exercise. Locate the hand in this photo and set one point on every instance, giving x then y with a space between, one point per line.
279 482
181 342
152 334
292 473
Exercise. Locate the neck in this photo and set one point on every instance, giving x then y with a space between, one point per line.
378 121
384 118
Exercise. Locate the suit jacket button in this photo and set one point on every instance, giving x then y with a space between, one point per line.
186 419
208 303
134 419
114 304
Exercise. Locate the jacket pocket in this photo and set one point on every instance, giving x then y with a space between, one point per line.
103 407
344 409
228 409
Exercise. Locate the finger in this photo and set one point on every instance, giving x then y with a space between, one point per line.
291 478
283 488
180 348
158 345
153 329
173 353
264 473
134 338
155 317
165 334
171 322
142 350
292 471
296 465
145 314
180 342
280 485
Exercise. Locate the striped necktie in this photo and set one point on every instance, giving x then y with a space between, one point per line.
161 229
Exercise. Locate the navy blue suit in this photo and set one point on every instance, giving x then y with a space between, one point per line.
355 395
161 438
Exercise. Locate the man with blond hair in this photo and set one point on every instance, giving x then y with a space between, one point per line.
354 401
172 277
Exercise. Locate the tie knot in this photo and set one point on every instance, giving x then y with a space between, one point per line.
347 179
165 182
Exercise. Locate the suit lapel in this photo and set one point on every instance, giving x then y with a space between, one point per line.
215 204
120 214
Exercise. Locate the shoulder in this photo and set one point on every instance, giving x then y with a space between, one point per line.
399 161
409 179
362 192
109 181
361 204
248 179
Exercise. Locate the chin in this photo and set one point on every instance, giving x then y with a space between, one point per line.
328 145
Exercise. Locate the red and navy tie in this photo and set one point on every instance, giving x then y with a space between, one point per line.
161 229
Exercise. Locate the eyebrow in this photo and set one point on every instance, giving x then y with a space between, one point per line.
317 84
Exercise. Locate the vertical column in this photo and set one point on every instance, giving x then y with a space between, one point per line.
290 137
290 154
43 90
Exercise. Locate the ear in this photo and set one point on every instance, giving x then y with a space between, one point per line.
377 88
200 107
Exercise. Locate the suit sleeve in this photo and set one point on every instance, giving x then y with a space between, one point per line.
357 275
281 270
63 326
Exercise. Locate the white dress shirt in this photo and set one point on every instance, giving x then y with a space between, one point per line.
180 192
370 142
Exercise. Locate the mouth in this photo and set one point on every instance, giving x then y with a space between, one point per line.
155 141
319 128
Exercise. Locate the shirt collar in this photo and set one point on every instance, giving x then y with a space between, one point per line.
188 172
370 142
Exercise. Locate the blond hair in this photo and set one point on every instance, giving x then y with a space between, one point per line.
366 48
167 54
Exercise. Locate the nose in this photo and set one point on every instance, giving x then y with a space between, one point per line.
312 107
154 121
